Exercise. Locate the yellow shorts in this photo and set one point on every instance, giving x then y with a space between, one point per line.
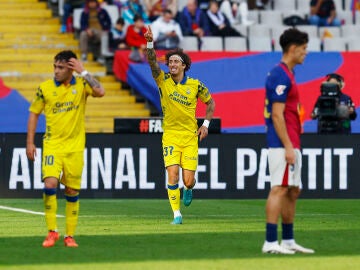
182 152
68 166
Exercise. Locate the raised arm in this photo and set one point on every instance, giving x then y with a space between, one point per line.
151 55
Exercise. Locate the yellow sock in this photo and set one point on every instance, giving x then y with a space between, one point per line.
174 196
50 203
71 213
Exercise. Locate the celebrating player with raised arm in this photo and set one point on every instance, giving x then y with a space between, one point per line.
178 96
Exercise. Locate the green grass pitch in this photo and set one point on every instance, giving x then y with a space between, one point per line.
216 234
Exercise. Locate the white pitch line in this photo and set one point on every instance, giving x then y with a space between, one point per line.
24 211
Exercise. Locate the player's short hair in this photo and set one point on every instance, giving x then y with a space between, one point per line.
65 56
293 36
184 56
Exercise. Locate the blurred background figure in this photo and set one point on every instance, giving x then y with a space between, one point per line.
94 21
132 8
323 13
117 36
135 39
236 11
193 21
219 23
68 8
155 8
166 31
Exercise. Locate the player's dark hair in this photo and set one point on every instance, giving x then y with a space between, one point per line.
184 56
292 36
64 56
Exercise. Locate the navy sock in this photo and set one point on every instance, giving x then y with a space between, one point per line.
271 232
287 231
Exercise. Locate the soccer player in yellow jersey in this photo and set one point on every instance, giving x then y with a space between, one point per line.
62 99
178 95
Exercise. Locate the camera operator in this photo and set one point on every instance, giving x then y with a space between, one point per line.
334 110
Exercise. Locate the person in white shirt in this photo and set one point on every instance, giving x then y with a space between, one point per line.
236 11
166 31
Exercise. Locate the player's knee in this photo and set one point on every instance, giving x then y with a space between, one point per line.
173 181
189 183
294 193
173 178
71 192
50 183
279 191
71 195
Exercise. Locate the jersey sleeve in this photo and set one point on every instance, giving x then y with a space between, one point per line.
160 78
203 93
38 103
278 87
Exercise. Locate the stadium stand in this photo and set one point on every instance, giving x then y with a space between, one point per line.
26 55
189 43
271 17
334 44
329 32
235 44
354 45
260 44
303 5
284 5
259 30
350 30
212 44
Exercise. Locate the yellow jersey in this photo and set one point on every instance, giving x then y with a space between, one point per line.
64 109
178 102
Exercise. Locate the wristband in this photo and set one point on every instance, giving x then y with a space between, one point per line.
150 45
206 123
84 73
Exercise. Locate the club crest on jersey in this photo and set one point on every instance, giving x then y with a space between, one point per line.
74 91
280 89
188 91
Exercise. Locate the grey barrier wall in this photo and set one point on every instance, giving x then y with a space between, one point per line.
231 166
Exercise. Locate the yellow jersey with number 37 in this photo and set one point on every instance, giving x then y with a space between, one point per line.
178 102
64 109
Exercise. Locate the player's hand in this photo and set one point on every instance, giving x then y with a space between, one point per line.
76 65
203 132
148 34
290 155
31 151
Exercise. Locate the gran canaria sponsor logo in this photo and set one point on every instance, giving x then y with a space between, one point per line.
179 98
66 106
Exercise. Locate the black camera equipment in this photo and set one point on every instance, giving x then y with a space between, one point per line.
328 102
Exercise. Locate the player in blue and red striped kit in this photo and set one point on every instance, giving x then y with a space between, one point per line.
282 117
